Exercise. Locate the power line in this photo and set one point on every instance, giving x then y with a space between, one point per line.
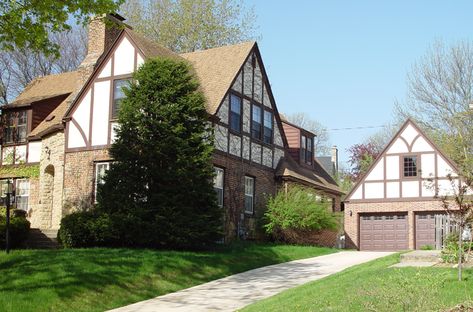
356 128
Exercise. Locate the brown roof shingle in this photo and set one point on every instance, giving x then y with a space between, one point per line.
216 68
289 168
47 87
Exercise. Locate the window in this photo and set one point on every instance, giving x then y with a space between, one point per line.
235 113
268 127
16 125
249 194
22 193
21 126
401 217
378 217
410 166
389 217
306 149
256 123
100 170
218 185
118 95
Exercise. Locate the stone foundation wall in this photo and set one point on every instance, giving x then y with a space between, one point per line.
47 198
352 221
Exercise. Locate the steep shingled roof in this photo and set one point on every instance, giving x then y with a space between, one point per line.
47 87
216 68
289 168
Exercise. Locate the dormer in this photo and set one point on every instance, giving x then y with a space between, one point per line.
301 143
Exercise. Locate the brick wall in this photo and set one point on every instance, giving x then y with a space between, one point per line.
265 184
79 178
352 222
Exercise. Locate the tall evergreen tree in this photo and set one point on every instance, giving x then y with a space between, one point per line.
163 171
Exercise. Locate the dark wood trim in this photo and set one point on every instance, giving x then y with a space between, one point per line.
81 131
81 149
91 116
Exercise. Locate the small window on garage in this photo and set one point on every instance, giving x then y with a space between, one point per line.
401 217
366 218
423 217
389 217
378 217
410 166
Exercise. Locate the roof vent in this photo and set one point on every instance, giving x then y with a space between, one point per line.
49 118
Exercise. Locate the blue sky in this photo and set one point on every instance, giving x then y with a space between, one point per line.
345 62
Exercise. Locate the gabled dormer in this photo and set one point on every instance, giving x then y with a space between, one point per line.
410 167
300 143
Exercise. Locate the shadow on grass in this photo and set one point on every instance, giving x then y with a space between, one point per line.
105 278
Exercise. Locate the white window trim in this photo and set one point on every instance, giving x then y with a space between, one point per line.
96 177
218 169
252 195
27 195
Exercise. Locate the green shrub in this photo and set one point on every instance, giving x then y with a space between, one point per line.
86 229
450 248
427 247
98 229
298 210
19 229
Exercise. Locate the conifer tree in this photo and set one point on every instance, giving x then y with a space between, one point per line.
162 170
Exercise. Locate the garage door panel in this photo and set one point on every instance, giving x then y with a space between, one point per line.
425 229
383 232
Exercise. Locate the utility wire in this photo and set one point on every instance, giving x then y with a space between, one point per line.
356 128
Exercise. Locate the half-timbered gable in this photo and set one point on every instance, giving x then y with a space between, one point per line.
410 167
91 121
394 205
240 96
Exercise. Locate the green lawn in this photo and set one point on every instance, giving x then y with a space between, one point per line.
99 279
376 287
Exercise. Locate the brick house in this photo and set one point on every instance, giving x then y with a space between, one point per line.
64 124
393 206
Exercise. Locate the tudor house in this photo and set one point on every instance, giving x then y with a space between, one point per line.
393 206
64 124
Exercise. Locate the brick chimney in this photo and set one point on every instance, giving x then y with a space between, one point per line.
102 32
335 159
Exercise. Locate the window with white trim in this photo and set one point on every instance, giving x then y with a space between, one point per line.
249 194
22 193
100 169
218 185
118 94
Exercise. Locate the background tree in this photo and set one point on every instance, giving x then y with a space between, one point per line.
162 170
189 25
361 157
322 140
440 90
28 24
20 66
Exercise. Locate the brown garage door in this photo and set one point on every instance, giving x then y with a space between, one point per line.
425 230
383 232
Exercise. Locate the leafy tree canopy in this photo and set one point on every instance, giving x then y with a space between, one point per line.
189 25
28 23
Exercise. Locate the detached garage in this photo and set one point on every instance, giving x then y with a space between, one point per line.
393 206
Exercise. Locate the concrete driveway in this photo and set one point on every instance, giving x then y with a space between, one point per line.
239 290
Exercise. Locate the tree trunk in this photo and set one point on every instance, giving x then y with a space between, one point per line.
460 253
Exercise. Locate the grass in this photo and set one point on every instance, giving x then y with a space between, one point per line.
100 279
374 286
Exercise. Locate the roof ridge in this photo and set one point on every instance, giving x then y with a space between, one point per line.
222 47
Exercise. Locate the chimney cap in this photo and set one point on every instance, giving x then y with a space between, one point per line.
118 16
